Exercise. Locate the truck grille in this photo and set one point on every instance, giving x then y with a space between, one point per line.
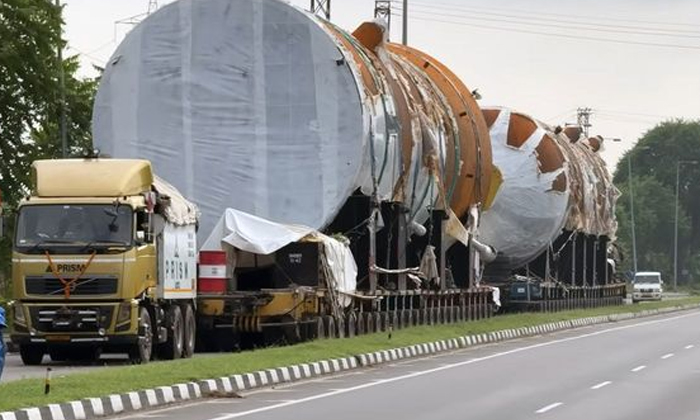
71 319
85 286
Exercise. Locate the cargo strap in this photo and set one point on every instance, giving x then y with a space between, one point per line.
68 283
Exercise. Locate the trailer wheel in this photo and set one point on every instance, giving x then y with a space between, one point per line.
330 327
142 351
172 348
352 325
320 328
190 332
31 354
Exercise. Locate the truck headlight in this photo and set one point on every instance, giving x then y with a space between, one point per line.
124 313
18 310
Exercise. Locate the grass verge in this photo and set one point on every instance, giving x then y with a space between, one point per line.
29 392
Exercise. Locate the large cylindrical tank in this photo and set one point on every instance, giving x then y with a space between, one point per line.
550 182
263 107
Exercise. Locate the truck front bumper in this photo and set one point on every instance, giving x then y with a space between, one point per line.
68 339
638 296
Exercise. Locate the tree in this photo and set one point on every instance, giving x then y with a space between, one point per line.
654 225
30 105
654 163
30 33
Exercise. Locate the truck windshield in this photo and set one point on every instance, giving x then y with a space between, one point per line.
58 227
647 278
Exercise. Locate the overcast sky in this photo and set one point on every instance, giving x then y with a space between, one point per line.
542 57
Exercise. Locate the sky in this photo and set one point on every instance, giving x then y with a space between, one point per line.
635 63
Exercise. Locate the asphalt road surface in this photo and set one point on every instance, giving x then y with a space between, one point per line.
645 369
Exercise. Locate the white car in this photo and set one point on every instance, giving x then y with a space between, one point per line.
647 286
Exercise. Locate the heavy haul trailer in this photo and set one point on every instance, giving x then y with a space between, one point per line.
294 294
285 116
104 259
262 107
302 284
553 217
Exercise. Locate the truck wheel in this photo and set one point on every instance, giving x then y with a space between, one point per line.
190 332
31 354
172 348
141 352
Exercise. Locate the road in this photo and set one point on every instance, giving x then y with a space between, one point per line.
645 369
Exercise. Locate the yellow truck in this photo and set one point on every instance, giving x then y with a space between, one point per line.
104 259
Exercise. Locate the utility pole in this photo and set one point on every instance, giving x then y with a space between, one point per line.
382 10
634 238
583 116
675 225
152 6
404 37
321 8
62 87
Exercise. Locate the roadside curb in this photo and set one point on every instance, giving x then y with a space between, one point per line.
230 385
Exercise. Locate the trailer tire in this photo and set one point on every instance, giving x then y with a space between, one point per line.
31 354
190 332
141 352
172 348
330 327
320 328
340 326
352 325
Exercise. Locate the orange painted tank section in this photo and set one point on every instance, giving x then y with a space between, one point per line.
472 180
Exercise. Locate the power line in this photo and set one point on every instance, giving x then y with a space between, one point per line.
561 25
539 14
635 114
559 35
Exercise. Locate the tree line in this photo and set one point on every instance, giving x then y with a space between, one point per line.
30 100
669 149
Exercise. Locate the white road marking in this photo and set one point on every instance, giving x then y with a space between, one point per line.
549 407
600 385
689 346
454 365
638 368
666 356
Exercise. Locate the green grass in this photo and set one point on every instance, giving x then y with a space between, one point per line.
29 392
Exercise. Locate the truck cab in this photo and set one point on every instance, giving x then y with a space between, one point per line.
104 260
647 285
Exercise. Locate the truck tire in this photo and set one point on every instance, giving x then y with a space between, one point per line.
172 348
190 332
31 354
142 351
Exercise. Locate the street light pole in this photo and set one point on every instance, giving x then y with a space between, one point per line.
634 237
62 86
675 227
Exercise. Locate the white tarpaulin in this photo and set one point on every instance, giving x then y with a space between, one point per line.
256 235
237 102
253 234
